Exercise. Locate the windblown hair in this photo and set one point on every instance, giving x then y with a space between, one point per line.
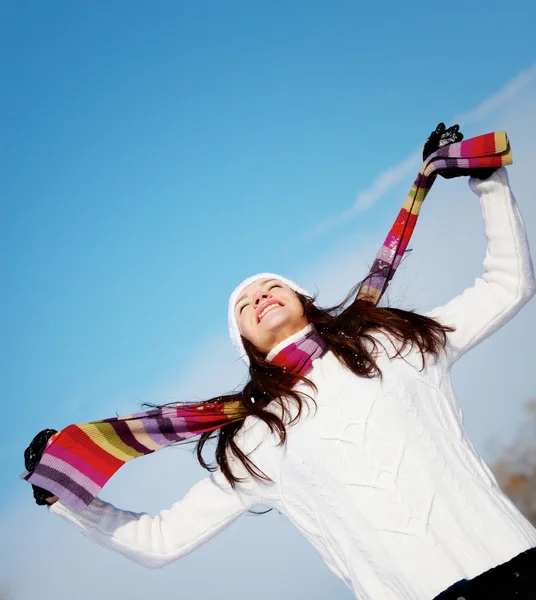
349 334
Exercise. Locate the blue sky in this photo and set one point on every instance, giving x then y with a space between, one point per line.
155 154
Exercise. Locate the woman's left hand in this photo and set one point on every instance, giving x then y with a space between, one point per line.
438 139
443 137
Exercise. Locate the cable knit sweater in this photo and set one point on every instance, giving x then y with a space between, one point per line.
380 477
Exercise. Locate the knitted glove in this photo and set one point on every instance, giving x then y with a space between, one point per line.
32 455
443 137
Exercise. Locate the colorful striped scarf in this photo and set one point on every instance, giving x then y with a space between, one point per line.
80 459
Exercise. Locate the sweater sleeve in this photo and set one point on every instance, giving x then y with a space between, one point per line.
507 283
209 507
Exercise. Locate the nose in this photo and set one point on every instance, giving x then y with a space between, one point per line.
259 297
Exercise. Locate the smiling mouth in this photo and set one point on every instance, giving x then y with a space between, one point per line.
268 309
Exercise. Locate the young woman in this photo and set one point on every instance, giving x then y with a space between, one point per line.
354 434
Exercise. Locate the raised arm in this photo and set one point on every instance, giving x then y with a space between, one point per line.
508 281
209 507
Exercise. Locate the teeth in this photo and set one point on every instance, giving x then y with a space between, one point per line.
269 307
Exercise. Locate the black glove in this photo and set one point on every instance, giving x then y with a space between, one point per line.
443 137
438 139
32 455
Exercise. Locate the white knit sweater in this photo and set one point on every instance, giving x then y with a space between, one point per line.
381 478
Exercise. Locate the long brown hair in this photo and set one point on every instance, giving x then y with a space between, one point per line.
349 334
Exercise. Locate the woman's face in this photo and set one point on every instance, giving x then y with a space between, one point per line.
268 312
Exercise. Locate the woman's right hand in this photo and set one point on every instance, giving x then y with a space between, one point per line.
32 456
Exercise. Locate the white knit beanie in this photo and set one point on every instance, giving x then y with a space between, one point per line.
234 332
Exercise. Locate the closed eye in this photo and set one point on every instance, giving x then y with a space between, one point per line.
247 303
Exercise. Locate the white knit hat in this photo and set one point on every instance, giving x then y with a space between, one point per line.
234 332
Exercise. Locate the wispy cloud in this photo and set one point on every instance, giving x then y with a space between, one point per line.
505 95
407 167
386 180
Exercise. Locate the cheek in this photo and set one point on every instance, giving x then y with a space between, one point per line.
295 305
240 321
244 324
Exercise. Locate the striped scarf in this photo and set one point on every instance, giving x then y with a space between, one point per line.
80 459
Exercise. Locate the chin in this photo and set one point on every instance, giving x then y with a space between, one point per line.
276 321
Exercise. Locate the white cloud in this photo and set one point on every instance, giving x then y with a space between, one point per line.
499 100
409 166
45 558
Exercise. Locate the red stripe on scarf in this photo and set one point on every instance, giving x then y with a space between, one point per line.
77 442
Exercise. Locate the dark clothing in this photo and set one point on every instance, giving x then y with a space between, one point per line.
513 580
